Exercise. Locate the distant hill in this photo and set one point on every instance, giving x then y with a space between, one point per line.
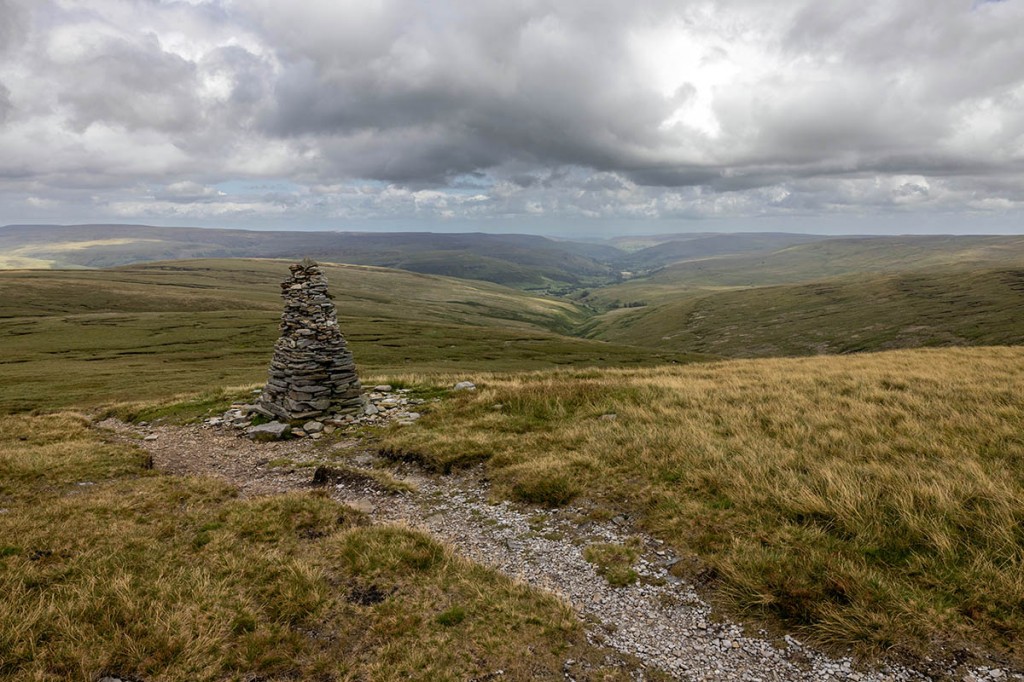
833 257
814 261
844 315
88 336
693 247
524 261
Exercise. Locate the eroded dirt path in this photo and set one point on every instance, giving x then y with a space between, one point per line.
660 620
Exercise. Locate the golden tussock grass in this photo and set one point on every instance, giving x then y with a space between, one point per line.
110 568
870 500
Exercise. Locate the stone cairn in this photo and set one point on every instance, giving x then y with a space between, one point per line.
312 372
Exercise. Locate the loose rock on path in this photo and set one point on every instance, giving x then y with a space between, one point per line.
661 620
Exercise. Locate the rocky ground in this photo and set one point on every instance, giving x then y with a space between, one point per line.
660 620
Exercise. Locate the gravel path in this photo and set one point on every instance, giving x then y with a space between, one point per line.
660 620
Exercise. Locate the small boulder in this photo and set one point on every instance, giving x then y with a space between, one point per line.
383 388
610 417
269 431
371 409
465 386
313 427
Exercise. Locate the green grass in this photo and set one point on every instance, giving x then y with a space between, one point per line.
86 338
851 314
614 561
509 259
868 501
110 568
819 260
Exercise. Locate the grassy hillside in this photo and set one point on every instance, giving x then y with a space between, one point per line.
518 260
89 337
636 242
870 500
863 313
686 248
817 261
110 568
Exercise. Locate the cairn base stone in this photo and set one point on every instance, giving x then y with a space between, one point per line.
312 372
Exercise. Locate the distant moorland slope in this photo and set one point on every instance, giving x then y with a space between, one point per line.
92 336
843 315
733 295
525 261
516 260
818 260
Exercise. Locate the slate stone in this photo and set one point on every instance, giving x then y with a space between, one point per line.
312 372
268 431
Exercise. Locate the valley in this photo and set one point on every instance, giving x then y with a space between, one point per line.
825 432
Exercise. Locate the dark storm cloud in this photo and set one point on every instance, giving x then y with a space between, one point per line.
523 108
421 95
440 99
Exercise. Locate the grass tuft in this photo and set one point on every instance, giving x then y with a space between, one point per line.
146 576
545 482
452 616
614 561
868 501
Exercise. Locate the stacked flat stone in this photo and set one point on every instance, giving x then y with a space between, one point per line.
312 372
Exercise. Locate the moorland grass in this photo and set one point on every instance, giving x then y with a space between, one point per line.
867 312
88 338
614 561
820 260
871 501
110 568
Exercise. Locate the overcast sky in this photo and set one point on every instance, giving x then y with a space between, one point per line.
582 117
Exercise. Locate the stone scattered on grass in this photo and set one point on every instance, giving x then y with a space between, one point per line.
380 408
270 431
465 386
